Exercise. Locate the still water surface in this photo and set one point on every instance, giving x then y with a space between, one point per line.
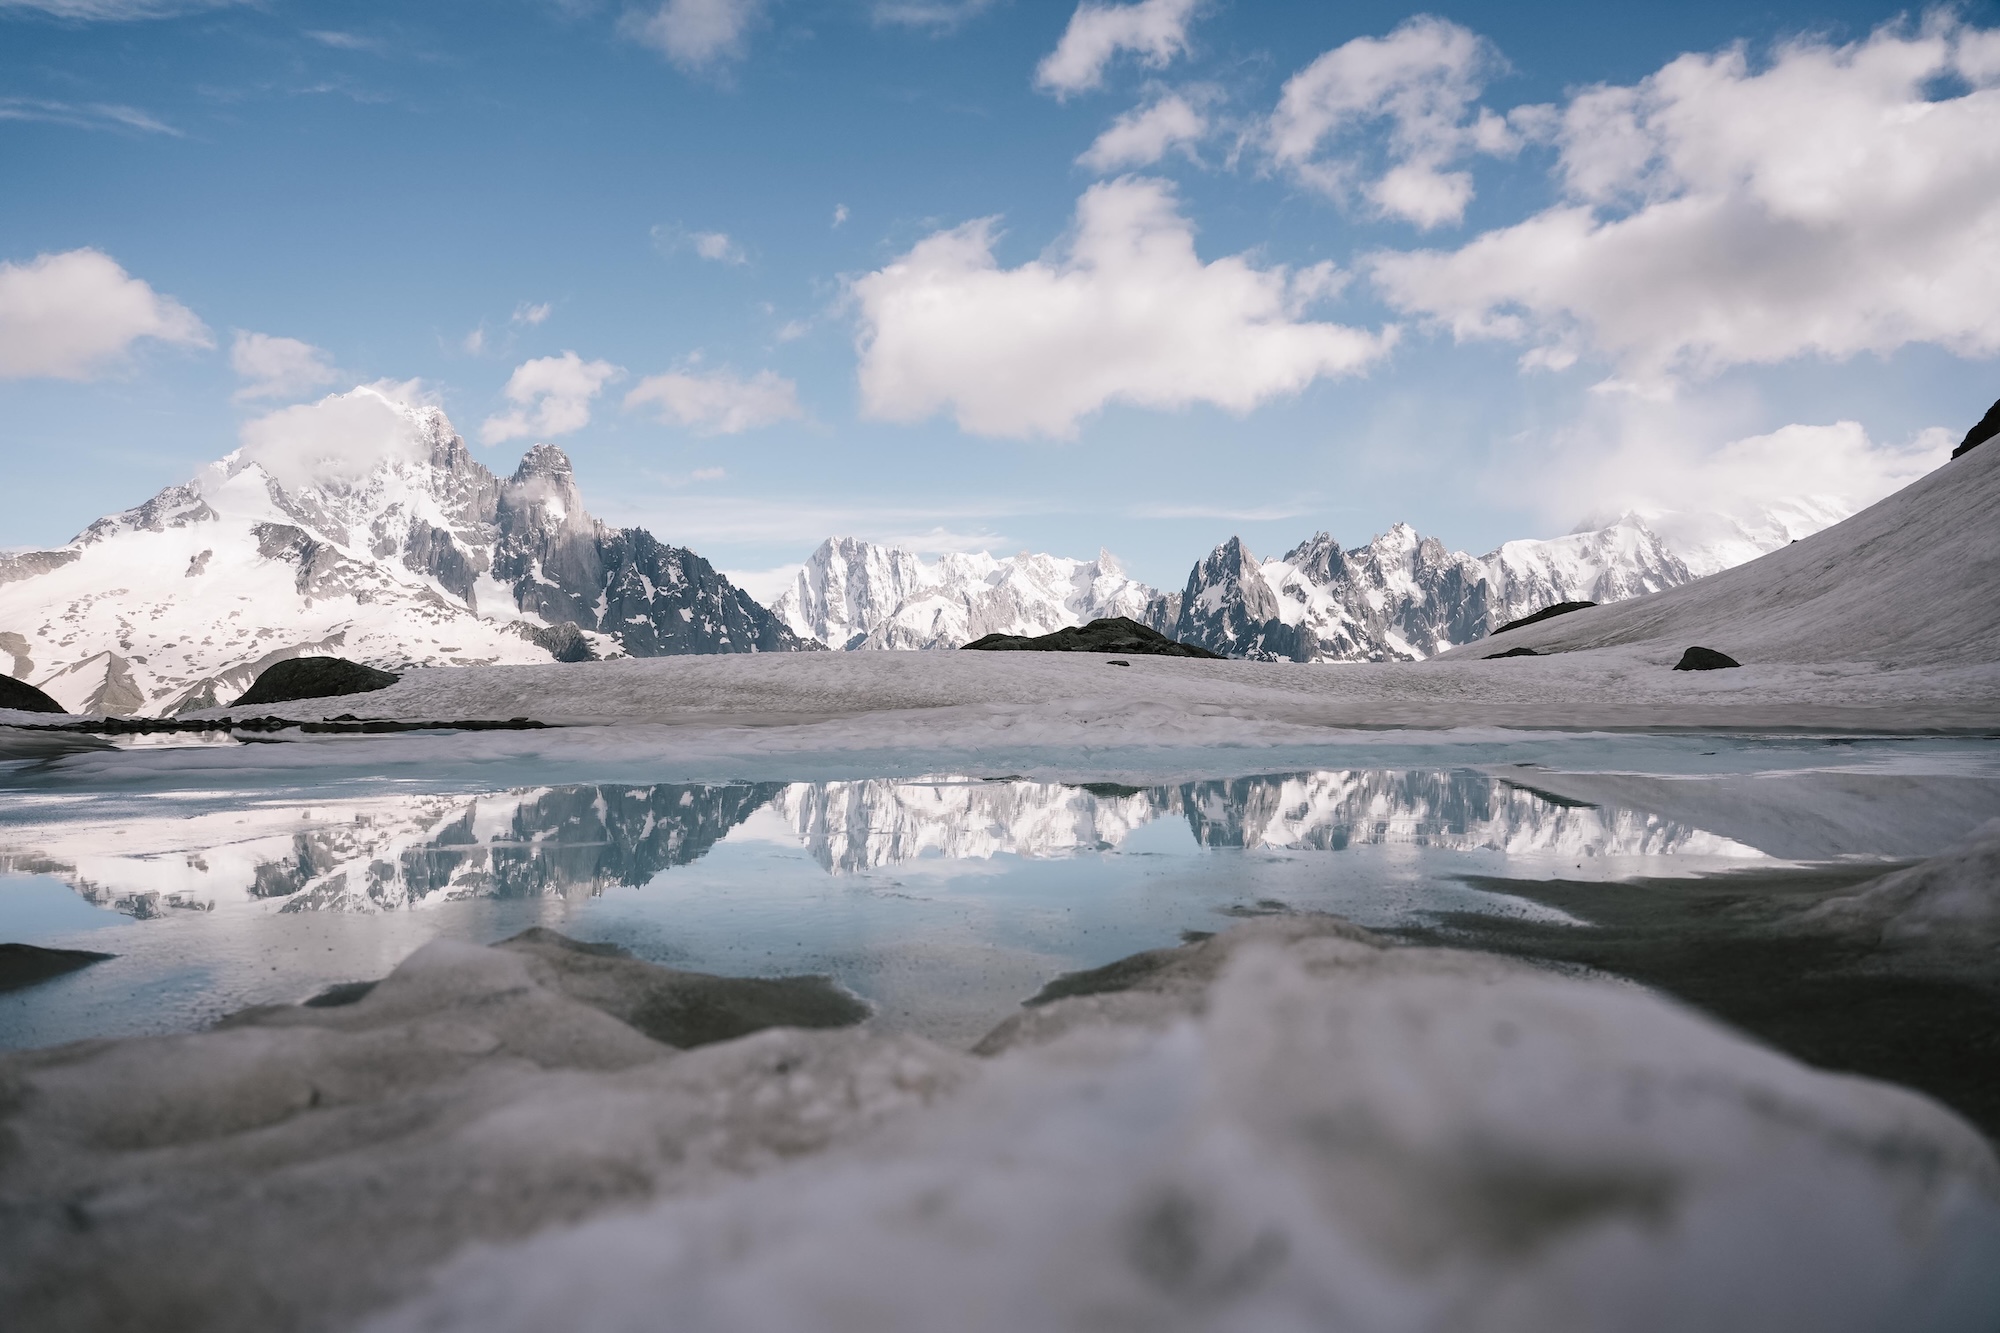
942 899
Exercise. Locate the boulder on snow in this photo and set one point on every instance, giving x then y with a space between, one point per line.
1705 659
21 695
565 642
1988 427
1546 613
1512 652
315 678
1113 634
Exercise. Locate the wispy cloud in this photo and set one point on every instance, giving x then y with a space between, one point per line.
717 402
84 115
940 16
115 11
696 35
717 247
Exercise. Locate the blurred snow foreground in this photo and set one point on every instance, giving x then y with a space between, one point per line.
1289 1126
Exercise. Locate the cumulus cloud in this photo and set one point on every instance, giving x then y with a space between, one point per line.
75 314
1129 314
1829 202
697 35
1423 80
277 367
340 438
551 396
717 402
1144 135
1154 30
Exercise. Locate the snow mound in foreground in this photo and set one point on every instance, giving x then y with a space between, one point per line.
1327 1134
1944 910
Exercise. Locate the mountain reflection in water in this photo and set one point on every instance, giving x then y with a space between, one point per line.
396 851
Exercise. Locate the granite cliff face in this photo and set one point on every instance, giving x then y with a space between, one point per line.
361 526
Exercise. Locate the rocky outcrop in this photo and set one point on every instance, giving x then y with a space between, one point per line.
1988 427
23 697
1705 659
314 678
1546 613
1115 634
26 964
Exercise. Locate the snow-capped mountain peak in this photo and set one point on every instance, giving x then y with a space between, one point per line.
360 525
858 594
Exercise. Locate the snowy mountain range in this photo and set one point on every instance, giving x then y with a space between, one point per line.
855 594
1400 597
360 525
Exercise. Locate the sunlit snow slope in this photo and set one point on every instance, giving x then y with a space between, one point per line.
1912 580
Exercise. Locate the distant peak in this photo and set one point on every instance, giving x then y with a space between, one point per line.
544 460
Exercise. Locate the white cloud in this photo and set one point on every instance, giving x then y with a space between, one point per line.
1424 79
277 367
697 34
717 402
839 214
1722 215
339 438
551 396
475 341
716 247
1155 30
938 15
530 315
117 10
1144 135
1130 314
793 329
85 115
73 315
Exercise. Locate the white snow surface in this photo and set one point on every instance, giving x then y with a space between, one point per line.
858 594
1292 1128
184 598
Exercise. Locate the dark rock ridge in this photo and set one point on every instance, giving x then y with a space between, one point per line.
1988 427
26 964
1546 613
1113 634
564 642
1705 659
1512 652
21 695
315 678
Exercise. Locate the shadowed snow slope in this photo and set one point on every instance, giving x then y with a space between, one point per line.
1909 581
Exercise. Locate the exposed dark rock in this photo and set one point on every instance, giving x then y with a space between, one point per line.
1546 613
1705 659
25 964
341 993
1512 652
1113 634
315 678
20 694
565 642
1988 427
28 564
685 1008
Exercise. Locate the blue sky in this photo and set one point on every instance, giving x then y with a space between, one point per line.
824 268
